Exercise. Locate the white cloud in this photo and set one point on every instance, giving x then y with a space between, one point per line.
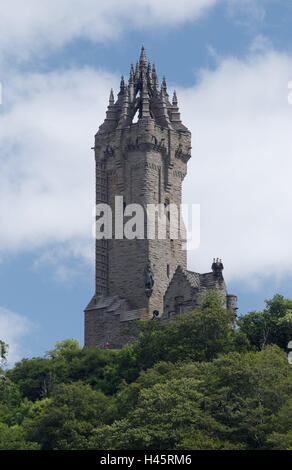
13 327
261 44
68 260
241 167
240 170
246 12
47 167
37 26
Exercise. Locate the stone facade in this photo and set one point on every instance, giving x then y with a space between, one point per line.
184 291
142 162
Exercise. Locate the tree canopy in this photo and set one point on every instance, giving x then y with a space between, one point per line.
198 382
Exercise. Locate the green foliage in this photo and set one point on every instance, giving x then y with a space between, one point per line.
66 349
14 438
3 351
244 392
69 416
200 335
66 363
163 416
33 377
272 326
192 383
10 400
230 403
281 438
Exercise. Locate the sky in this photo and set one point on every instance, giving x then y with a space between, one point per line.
230 62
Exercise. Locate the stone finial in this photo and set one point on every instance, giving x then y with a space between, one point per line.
149 70
122 84
145 112
132 84
164 87
154 77
149 75
125 104
124 116
137 71
111 98
143 60
175 114
174 99
131 79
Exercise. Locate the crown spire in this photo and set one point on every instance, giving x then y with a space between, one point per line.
132 84
175 114
132 73
154 77
149 75
141 93
143 60
122 84
174 99
137 72
124 116
163 84
111 98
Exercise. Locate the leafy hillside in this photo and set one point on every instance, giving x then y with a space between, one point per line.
193 383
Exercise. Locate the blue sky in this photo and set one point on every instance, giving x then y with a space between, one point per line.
230 62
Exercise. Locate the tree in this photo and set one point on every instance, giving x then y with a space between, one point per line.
65 349
14 438
34 377
200 335
66 363
69 417
191 383
245 391
3 351
164 415
233 402
281 437
271 326
10 399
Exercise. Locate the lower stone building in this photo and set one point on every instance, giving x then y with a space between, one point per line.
109 318
186 288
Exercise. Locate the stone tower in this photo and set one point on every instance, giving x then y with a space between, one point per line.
141 154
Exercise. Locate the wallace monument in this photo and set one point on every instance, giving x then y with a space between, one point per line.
141 154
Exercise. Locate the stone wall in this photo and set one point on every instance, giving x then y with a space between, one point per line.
185 290
109 320
145 164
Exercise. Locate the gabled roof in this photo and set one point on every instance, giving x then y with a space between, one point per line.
199 281
193 278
